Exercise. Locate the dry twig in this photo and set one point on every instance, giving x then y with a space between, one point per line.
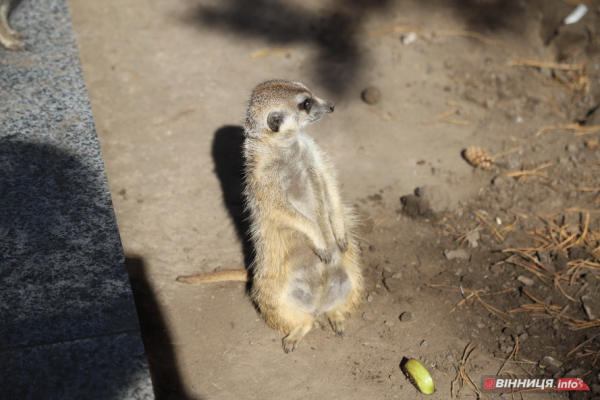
474 35
534 171
521 62
580 130
271 51
384 115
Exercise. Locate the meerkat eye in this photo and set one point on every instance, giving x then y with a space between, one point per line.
306 105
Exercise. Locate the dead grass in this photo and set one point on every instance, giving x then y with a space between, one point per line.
572 76
462 375
553 239
535 171
578 129
472 296
490 226
512 359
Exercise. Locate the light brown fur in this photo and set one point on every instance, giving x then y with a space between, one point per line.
307 259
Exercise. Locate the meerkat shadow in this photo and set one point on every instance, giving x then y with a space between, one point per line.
227 153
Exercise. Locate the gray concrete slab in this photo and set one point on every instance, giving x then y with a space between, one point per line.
68 324
109 367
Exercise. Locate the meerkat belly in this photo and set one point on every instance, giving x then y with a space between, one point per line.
336 291
305 281
315 287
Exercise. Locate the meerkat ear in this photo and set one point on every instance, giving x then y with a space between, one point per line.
274 120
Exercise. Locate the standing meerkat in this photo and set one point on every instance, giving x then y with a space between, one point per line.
307 259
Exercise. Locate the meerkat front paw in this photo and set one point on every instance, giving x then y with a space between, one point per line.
325 255
341 238
342 243
339 232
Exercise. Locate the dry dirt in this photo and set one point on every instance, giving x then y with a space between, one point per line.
168 83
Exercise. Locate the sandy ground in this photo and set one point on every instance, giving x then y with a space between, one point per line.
168 83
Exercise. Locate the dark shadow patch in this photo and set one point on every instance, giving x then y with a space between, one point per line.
485 16
227 153
333 32
68 327
164 368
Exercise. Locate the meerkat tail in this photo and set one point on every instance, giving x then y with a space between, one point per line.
240 275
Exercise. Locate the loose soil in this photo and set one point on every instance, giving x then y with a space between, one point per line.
503 261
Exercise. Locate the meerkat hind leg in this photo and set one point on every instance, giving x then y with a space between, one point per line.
290 342
337 296
337 321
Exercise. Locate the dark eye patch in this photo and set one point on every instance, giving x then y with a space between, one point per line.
306 105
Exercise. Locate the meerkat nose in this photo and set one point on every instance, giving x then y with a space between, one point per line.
331 106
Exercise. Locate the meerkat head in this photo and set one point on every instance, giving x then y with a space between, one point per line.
279 107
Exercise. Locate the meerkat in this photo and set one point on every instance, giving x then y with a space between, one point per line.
9 38
307 260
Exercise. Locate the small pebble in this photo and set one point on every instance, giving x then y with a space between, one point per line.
424 343
460 254
473 239
409 38
589 302
525 280
575 373
577 253
571 148
546 260
388 323
370 298
367 316
371 95
549 361
523 337
406 316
